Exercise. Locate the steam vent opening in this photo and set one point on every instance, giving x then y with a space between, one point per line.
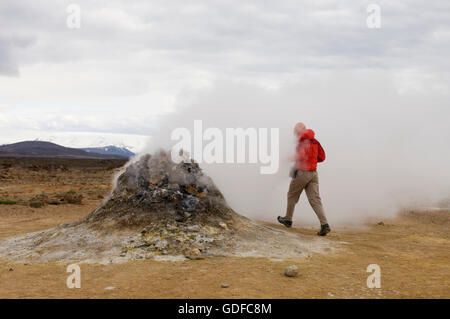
161 210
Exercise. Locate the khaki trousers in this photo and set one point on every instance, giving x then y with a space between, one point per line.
309 181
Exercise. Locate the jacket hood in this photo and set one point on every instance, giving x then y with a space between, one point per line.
307 135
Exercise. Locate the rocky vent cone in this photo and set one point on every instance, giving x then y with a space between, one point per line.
162 210
156 191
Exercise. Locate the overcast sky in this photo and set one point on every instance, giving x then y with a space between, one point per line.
132 62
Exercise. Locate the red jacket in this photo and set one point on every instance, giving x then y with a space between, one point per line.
309 152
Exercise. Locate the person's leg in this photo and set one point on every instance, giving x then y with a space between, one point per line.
295 190
312 192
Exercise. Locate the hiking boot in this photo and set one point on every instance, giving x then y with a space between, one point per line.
324 230
284 221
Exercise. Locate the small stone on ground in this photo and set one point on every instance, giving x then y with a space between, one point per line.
193 254
291 271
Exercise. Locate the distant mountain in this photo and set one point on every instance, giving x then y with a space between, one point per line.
46 149
134 143
110 150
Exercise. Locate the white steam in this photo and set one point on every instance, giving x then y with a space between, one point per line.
384 149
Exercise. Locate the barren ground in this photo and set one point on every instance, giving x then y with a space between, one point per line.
412 251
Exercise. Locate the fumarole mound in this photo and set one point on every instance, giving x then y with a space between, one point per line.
161 210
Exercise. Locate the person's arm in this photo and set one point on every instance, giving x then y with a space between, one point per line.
320 153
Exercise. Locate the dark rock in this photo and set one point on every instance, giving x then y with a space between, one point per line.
35 204
189 203
180 218
71 197
38 201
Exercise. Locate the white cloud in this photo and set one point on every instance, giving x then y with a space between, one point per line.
132 60
78 121
4 108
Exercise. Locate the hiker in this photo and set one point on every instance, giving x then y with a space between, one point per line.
304 176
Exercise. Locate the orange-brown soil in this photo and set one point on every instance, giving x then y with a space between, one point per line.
412 251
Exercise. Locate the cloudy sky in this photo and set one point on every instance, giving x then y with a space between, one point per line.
132 62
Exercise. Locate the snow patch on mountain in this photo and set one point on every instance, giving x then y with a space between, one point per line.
110 150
